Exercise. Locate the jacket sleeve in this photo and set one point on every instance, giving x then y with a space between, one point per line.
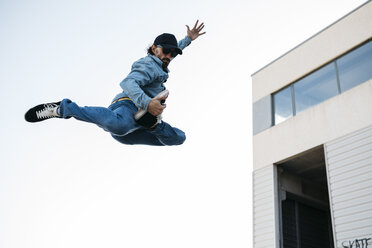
140 75
182 44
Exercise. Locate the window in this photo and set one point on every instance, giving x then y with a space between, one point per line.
330 80
316 88
355 67
283 105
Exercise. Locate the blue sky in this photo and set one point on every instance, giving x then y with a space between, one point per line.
65 183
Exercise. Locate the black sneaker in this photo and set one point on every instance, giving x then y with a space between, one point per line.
146 119
43 112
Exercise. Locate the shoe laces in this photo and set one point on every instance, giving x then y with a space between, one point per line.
159 118
49 111
158 121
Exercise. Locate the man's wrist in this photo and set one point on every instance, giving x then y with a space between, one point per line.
188 39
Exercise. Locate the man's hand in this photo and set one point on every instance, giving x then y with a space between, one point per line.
155 107
195 32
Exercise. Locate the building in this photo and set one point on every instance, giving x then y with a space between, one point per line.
312 140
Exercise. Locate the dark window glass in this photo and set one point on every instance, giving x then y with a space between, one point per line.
316 87
283 105
355 67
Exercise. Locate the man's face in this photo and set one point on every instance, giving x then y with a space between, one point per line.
165 58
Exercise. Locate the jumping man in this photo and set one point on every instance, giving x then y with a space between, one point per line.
134 116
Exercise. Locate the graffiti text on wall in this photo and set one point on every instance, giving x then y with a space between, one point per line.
357 243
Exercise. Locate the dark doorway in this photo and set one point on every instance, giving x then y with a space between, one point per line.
304 204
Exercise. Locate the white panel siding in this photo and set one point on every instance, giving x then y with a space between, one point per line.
349 169
264 208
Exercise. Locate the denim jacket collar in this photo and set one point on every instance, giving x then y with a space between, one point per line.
159 62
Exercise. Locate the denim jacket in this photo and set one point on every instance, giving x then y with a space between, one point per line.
146 79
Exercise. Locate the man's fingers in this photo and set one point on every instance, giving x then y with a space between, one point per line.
156 108
196 24
160 109
200 27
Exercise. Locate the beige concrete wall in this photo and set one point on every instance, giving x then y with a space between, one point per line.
332 42
317 125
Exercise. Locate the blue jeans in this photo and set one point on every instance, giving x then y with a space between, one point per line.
118 120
